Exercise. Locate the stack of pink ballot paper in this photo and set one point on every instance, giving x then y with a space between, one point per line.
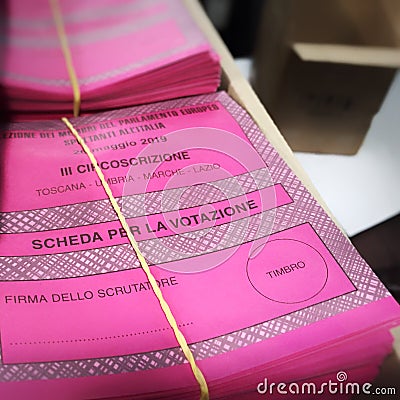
124 52
272 298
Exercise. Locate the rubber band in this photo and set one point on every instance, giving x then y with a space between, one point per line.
54 4
55 7
204 394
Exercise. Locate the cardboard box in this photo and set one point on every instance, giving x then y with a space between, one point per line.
240 90
233 82
322 68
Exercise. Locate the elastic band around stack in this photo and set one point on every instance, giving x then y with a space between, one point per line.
55 8
204 394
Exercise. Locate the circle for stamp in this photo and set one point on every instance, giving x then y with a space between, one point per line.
287 271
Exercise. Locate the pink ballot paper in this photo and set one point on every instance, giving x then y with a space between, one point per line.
124 52
261 281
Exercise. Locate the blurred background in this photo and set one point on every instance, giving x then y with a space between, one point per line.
328 74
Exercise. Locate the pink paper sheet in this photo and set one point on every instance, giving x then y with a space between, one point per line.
254 270
123 53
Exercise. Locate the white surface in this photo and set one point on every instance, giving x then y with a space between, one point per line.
361 190
245 65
